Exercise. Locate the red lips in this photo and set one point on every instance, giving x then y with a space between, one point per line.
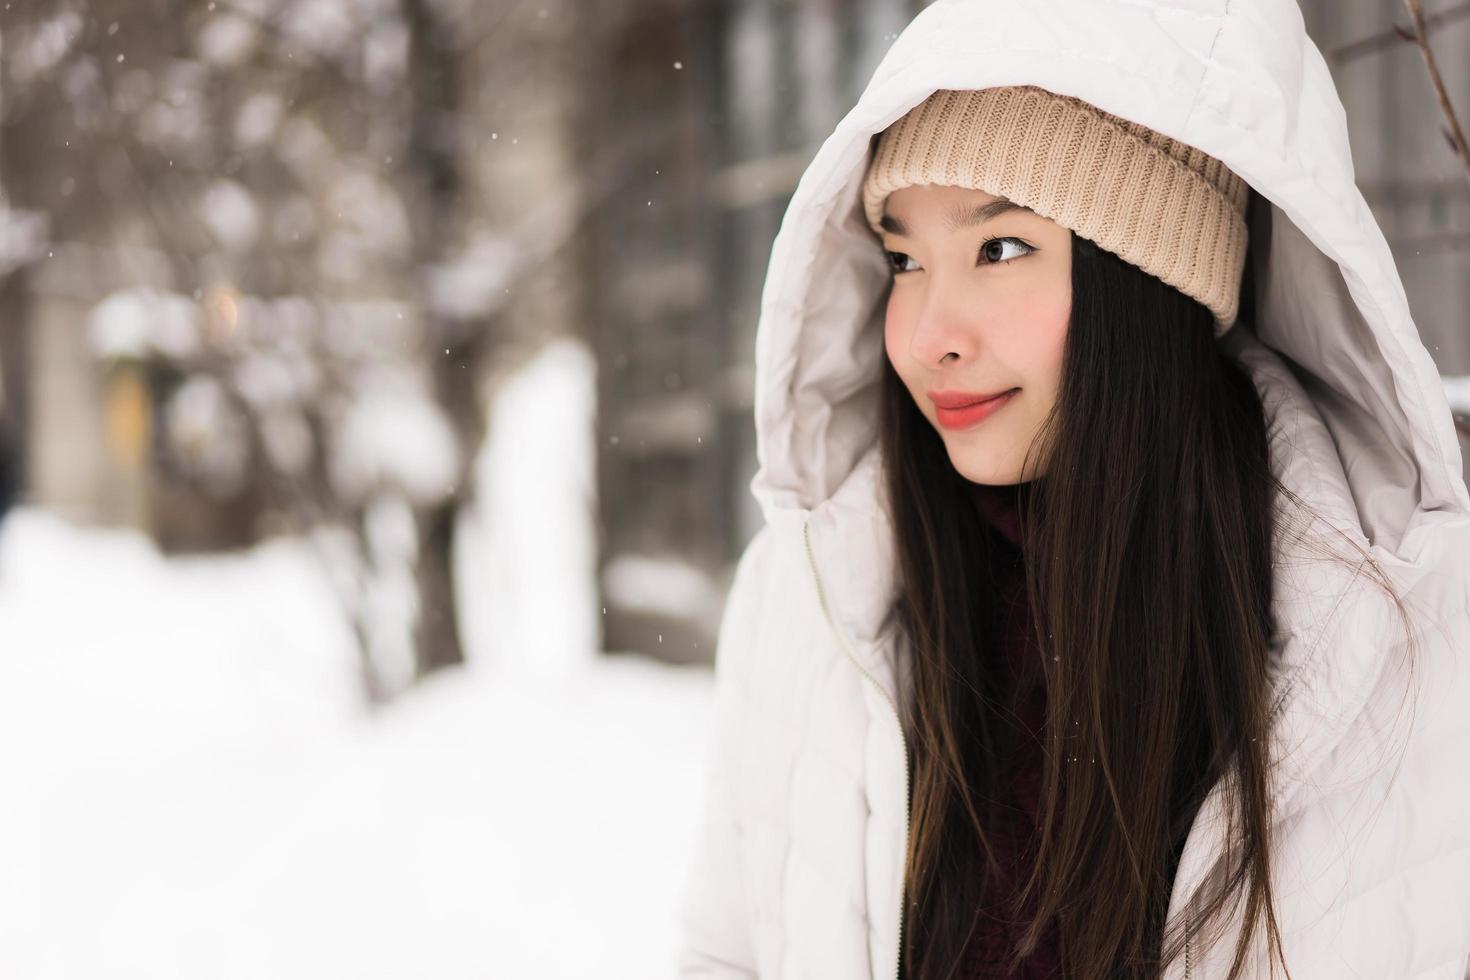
961 410
963 399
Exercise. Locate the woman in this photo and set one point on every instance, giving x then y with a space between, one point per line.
1152 666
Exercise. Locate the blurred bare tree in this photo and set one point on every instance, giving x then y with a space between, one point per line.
262 209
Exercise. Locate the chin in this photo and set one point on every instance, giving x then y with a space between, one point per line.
985 464
980 472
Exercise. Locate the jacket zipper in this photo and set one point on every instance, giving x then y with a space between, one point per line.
898 725
1188 945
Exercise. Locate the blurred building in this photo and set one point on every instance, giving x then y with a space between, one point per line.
713 110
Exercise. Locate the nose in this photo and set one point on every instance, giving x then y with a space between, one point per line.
942 327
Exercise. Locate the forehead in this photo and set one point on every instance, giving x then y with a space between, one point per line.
950 208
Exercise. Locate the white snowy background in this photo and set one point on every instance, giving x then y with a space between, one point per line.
190 786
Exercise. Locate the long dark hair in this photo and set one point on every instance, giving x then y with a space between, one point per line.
1148 545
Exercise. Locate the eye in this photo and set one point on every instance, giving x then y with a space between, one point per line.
992 251
896 261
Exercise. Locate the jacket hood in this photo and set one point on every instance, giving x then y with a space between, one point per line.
1361 427
1238 79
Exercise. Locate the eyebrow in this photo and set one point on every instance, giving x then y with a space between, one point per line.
960 216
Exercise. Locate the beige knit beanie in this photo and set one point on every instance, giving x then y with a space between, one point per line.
1169 209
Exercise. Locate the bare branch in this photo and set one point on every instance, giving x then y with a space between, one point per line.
1421 37
1397 34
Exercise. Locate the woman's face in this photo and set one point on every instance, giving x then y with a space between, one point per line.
990 282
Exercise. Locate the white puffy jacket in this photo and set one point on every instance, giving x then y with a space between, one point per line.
798 872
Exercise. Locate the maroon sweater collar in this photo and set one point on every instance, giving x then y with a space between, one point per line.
1001 506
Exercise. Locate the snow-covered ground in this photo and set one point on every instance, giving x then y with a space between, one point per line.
189 788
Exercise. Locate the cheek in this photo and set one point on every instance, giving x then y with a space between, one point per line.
896 334
893 322
1038 346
